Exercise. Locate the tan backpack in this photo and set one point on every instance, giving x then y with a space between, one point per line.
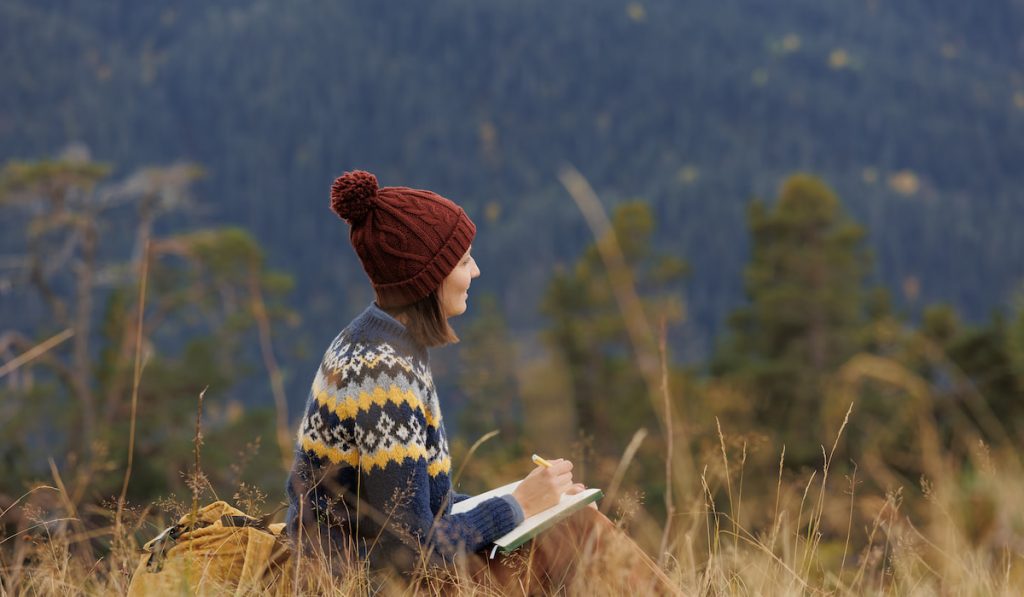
222 551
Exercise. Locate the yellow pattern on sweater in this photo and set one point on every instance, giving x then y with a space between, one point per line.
379 459
350 406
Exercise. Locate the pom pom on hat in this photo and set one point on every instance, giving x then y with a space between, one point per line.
353 195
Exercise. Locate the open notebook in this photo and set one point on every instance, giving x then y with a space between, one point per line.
536 524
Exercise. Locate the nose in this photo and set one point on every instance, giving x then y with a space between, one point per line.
476 270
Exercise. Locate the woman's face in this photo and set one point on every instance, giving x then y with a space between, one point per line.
455 288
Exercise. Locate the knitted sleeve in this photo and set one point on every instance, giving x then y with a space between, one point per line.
517 510
392 439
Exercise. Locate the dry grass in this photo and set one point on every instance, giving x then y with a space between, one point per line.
817 535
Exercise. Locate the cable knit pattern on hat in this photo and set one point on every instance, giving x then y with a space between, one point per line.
408 240
372 464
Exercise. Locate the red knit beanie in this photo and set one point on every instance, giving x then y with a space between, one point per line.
408 240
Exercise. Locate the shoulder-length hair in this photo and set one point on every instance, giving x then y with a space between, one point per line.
426 322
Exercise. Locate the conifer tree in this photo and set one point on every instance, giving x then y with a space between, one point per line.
991 356
806 309
588 332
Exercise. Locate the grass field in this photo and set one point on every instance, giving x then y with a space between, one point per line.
815 532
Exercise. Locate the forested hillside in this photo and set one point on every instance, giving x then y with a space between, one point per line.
913 111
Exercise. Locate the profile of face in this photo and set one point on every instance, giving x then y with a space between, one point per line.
455 288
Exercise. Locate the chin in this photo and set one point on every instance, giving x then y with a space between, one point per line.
457 310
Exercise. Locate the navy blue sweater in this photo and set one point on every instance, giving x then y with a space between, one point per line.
371 472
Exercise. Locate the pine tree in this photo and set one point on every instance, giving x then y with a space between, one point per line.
588 332
806 309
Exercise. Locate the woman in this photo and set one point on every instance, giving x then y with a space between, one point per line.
371 473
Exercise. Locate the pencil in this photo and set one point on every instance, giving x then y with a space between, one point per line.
540 461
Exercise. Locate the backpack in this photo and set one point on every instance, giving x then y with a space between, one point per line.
221 551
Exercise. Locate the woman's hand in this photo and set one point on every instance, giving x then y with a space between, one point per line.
578 488
544 486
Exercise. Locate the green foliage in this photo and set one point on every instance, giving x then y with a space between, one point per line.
487 358
29 417
21 180
208 291
1015 344
940 323
588 333
986 354
805 284
226 252
695 107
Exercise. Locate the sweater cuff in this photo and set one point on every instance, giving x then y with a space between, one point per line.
517 510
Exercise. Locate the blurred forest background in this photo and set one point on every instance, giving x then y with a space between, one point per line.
819 204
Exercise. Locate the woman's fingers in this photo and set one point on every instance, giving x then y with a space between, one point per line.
560 466
563 482
575 488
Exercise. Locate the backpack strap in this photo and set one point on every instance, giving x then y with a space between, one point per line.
159 545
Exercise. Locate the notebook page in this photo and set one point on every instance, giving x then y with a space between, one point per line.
469 503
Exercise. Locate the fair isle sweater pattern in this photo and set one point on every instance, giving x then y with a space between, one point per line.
372 467
357 379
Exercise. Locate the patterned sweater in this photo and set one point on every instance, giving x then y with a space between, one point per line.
371 471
